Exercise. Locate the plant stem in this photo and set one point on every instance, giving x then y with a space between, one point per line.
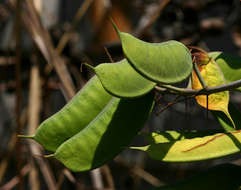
88 65
168 89
200 78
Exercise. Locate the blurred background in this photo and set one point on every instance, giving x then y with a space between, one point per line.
42 46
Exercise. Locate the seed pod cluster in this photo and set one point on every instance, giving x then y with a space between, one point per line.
103 118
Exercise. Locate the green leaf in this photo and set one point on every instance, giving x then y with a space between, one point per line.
169 136
167 62
196 149
121 80
225 121
221 177
230 65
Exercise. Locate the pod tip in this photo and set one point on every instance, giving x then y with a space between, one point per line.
48 156
114 25
88 65
26 136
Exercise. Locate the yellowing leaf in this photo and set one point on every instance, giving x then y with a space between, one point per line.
195 149
213 76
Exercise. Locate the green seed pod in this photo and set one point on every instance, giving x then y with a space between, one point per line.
73 117
168 62
121 80
107 135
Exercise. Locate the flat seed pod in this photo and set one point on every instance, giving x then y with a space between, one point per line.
107 135
213 76
73 117
121 80
221 177
168 62
230 65
169 136
196 149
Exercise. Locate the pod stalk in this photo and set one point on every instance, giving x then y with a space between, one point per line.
26 136
88 65
49 156
115 27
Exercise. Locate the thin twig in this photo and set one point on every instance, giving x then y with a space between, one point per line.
5 161
169 104
60 181
45 169
43 41
34 182
38 31
15 180
34 99
5 61
168 89
197 48
66 36
108 54
70 177
150 17
18 33
34 113
11 146
97 179
147 177
199 76
140 172
109 178
176 100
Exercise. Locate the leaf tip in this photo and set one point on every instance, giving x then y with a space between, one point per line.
230 118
